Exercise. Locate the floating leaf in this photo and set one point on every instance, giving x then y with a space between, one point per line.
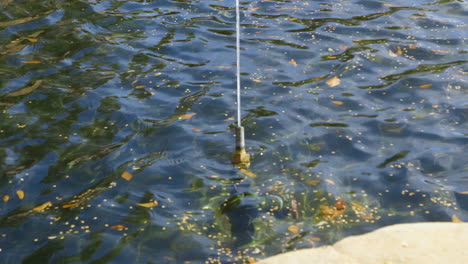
338 102
148 205
229 118
330 181
139 87
254 9
455 219
187 116
248 173
127 175
196 129
293 229
6 198
72 205
464 192
316 238
293 62
223 67
32 62
330 213
118 227
256 80
425 86
33 40
340 204
399 52
42 207
313 182
334 81
412 46
20 194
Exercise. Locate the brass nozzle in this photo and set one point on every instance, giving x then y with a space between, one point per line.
240 158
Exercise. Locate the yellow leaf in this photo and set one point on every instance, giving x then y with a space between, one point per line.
6 198
42 207
293 62
20 194
337 102
455 219
139 87
425 86
32 62
330 181
127 175
248 173
293 229
187 116
254 9
72 205
118 227
334 81
313 182
33 40
223 67
357 207
148 205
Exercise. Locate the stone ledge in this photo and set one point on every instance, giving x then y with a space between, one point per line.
424 243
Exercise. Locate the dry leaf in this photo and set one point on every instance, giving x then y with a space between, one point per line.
340 204
127 175
33 40
464 192
334 81
329 213
20 194
254 9
248 173
148 205
455 219
139 87
293 62
118 227
229 118
330 181
313 182
293 229
196 129
72 205
425 86
42 207
399 52
32 62
187 116
6 198
256 80
316 239
440 51
223 67
412 46
337 102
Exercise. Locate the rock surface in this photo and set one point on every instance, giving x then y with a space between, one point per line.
397 244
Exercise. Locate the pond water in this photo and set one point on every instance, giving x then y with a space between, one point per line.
117 126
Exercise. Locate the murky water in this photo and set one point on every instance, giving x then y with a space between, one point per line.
116 126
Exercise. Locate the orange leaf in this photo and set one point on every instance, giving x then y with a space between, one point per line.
248 173
313 182
127 175
334 81
412 46
33 40
148 205
293 229
20 194
254 9
293 62
196 129
455 219
118 227
399 52
6 198
337 102
464 192
425 86
32 62
316 239
187 116
330 213
229 118
256 80
42 207
330 181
